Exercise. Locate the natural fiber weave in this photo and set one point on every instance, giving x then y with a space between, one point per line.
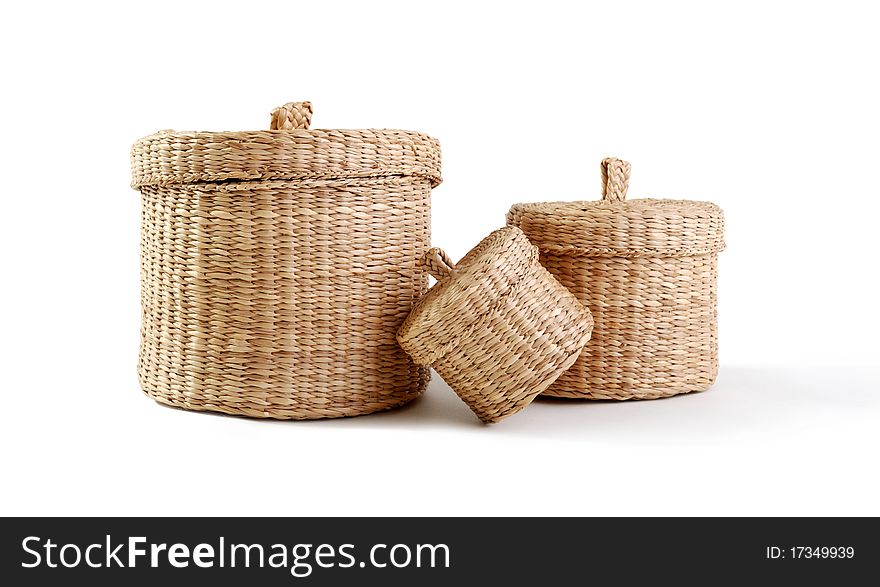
497 327
647 269
278 265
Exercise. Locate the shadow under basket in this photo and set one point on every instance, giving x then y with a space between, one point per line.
277 266
647 269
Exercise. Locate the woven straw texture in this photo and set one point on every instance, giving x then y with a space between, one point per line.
647 269
497 327
277 266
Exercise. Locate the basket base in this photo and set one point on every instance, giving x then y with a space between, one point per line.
600 395
300 410
569 392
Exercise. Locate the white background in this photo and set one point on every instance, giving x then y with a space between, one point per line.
769 109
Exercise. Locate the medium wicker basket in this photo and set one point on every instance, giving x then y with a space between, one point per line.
277 266
497 327
647 269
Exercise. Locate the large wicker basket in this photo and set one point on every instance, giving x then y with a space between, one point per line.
278 265
497 327
647 269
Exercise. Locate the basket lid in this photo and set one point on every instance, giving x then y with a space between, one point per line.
289 150
464 292
615 226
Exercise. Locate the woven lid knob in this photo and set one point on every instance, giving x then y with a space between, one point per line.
292 116
615 179
438 264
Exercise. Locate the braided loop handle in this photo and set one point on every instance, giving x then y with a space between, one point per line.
615 179
438 264
292 116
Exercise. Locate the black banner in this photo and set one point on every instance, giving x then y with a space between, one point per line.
435 551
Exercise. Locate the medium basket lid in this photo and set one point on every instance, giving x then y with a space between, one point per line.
464 292
289 150
615 226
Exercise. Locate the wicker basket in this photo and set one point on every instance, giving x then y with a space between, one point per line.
278 265
647 269
497 327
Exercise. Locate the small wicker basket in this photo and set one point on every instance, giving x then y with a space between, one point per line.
497 327
277 266
647 269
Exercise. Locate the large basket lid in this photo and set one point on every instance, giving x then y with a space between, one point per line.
615 226
465 292
288 151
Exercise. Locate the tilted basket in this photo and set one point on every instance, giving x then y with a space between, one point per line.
497 327
647 269
277 266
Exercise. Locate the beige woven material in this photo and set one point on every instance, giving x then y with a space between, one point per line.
278 265
497 327
647 269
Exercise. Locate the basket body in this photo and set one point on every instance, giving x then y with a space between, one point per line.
499 329
647 270
279 295
656 327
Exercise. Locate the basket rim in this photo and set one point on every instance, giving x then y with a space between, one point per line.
171 157
629 228
647 206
